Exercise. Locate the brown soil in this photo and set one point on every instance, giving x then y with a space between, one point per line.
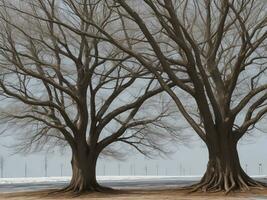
170 194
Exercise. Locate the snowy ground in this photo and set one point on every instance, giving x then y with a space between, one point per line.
119 182
8 185
99 178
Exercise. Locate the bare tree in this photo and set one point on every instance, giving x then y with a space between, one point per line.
220 46
63 87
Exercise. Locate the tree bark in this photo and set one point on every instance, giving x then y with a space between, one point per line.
84 172
224 172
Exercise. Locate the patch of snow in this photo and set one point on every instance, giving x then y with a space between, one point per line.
33 180
66 179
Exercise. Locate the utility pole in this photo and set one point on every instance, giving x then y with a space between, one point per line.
134 169
119 169
25 169
61 169
134 160
181 169
131 169
146 170
260 168
45 166
2 166
104 170
178 168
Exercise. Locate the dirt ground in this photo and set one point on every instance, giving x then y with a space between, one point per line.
135 195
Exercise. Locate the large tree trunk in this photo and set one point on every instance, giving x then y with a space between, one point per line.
224 172
84 172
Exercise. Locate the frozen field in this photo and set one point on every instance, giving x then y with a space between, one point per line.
8 185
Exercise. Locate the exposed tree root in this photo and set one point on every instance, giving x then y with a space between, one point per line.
228 182
91 188
78 189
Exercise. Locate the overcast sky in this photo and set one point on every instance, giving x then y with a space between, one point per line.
188 160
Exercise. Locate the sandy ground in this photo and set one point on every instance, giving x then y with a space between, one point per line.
135 195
